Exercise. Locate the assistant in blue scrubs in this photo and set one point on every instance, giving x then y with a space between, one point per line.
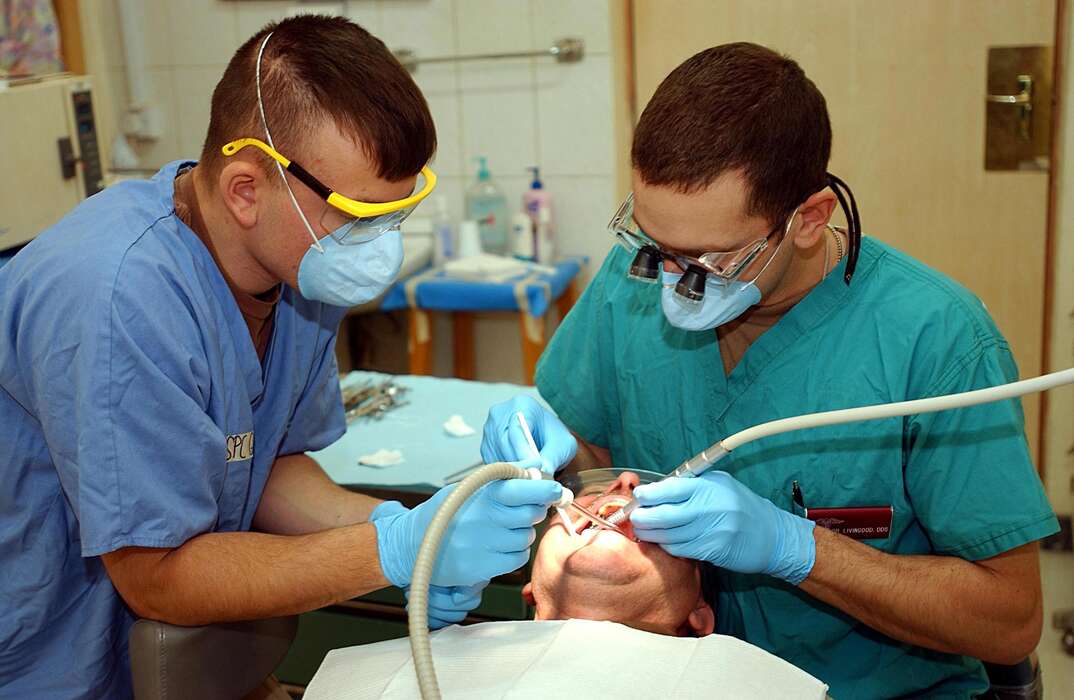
135 412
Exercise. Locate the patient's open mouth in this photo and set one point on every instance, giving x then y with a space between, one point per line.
604 507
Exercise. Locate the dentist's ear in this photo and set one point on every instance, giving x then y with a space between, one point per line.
241 184
812 219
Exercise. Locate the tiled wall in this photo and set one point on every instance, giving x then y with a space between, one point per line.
517 112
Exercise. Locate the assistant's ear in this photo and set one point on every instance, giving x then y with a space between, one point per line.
813 216
242 186
702 620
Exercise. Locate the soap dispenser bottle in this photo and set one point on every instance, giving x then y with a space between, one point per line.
486 205
536 198
537 203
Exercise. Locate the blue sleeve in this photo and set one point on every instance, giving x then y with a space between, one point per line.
968 472
576 373
122 395
318 419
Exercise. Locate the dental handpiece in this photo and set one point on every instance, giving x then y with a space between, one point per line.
700 463
695 466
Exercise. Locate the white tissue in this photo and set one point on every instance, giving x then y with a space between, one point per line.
381 458
456 426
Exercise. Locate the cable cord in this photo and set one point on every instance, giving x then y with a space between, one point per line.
704 460
418 612
901 408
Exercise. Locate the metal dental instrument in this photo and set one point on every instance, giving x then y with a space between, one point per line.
703 461
458 476
371 401
595 519
584 512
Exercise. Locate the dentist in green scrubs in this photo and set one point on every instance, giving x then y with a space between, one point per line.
887 558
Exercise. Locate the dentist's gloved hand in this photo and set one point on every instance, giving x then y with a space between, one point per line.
448 605
715 518
490 535
504 441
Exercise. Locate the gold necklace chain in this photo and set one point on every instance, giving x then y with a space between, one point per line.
838 242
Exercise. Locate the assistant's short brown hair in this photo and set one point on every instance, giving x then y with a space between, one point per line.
737 106
316 68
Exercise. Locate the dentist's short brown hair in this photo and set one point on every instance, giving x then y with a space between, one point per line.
737 107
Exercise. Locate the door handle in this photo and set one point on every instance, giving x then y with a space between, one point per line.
1023 101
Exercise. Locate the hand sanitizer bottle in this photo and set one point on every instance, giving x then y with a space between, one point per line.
486 205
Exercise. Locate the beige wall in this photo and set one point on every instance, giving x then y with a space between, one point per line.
1060 419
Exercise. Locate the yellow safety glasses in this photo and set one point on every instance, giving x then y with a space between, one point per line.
361 217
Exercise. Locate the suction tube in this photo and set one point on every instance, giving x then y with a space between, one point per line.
902 408
701 462
418 613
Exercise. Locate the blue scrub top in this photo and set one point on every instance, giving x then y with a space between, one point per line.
961 483
135 412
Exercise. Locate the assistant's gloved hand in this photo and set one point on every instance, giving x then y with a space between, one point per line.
490 534
448 605
504 441
715 518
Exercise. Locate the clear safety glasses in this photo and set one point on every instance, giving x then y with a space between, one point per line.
727 265
349 220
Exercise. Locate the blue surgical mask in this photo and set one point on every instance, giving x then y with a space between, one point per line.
352 274
723 302
332 272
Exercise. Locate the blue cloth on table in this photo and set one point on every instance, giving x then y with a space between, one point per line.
438 292
417 430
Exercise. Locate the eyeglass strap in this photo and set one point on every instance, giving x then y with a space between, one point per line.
853 223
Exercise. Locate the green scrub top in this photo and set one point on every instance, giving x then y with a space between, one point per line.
961 482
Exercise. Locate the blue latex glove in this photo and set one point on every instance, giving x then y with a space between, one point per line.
715 518
490 535
504 441
447 604
387 508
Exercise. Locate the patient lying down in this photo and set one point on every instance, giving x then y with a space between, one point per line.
589 593
602 575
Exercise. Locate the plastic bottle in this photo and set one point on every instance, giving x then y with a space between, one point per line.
486 205
443 234
469 239
523 244
546 242
536 197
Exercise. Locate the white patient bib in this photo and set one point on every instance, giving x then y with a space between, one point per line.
564 658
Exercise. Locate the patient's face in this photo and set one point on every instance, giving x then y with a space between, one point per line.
602 575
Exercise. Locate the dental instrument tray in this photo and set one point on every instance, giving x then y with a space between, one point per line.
371 401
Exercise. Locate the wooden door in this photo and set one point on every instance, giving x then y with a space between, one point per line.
905 84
